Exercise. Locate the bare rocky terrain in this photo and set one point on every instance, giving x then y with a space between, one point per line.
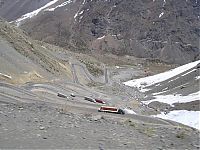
41 126
32 73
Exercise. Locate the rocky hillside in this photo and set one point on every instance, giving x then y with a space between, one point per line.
23 59
159 29
12 10
175 92
48 99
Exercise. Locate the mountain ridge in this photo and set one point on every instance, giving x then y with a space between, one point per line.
160 29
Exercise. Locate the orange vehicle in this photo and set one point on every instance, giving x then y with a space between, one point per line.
109 109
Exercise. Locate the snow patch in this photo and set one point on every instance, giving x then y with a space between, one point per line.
5 75
171 99
190 118
80 18
61 5
197 78
118 67
128 111
33 13
81 12
101 37
159 93
173 79
189 72
164 3
145 82
77 14
161 14
83 2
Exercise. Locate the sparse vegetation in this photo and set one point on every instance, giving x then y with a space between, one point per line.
93 68
149 131
64 109
180 135
92 84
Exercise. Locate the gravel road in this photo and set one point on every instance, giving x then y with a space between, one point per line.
41 126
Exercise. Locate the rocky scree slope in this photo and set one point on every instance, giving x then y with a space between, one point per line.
161 29
23 59
43 127
175 93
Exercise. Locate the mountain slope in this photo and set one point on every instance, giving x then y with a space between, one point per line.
161 29
11 10
24 56
175 92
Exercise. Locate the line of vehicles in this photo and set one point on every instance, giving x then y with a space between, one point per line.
107 109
